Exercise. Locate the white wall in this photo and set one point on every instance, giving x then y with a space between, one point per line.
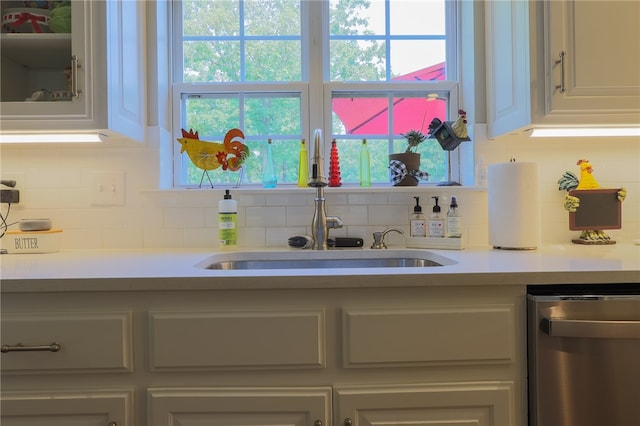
57 183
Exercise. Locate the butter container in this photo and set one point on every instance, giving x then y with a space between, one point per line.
32 241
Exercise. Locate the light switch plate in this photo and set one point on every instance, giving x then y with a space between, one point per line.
107 188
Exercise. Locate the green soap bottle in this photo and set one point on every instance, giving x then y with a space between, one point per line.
227 222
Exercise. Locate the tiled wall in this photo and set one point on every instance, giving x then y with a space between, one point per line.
57 183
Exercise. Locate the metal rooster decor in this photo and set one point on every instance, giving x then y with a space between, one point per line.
230 154
603 205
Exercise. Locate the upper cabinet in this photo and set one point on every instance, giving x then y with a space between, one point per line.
59 64
562 63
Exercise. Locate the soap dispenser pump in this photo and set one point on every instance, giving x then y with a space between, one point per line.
417 223
436 221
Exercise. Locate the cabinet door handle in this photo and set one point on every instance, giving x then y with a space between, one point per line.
348 422
75 64
317 423
591 328
53 347
561 88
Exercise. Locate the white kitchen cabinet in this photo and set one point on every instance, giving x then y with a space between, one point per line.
249 339
596 82
397 355
280 406
105 55
485 403
67 408
59 342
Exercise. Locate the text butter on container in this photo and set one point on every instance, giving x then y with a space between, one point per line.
227 222
32 241
514 206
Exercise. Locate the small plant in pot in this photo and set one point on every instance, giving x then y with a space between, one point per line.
405 166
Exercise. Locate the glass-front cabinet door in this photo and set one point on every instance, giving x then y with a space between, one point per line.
53 65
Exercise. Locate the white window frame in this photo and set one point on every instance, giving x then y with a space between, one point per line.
315 84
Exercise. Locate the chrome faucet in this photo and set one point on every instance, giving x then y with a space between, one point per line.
321 223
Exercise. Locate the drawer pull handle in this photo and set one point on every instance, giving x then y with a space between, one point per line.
75 64
561 88
54 347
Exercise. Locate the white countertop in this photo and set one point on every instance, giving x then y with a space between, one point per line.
131 270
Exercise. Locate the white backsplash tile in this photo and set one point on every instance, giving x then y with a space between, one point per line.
151 218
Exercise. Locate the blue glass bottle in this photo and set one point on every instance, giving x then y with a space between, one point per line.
269 179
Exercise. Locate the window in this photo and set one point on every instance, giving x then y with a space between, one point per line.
278 69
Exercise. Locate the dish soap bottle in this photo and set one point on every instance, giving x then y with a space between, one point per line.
227 221
365 171
269 170
436 221
417 223
454 220
303 166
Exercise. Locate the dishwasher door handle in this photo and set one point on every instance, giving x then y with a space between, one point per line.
591 328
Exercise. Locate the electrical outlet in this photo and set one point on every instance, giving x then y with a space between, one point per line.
107 189
20 178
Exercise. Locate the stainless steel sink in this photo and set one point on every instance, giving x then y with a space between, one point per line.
325 259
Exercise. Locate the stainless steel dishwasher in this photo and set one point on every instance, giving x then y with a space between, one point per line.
584 355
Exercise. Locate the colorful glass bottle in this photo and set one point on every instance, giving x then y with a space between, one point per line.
269 179
303 166
334 166
365 172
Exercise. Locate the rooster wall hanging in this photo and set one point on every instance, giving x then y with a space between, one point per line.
591 209
230 154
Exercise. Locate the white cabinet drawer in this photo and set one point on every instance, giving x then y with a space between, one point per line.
87 341
88 407
455 334
223 339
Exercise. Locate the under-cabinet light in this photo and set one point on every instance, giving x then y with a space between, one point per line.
51 138
585 132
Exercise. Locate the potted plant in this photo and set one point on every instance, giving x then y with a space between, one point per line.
405 166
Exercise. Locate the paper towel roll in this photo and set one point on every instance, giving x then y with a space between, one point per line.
514 208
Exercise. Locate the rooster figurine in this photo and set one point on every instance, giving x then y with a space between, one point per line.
568 182
211 155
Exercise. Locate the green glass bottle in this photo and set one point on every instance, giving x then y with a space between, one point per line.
365 172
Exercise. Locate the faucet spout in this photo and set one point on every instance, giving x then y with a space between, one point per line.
321 223
317 179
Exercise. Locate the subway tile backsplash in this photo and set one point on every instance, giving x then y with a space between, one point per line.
58 186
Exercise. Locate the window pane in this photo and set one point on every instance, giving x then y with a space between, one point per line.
357 60
216 49
404 59
269 61
360 114
267 115
411 17
211 115
263 116
349 17
211 62
272 17
211 18
369 115
379 40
